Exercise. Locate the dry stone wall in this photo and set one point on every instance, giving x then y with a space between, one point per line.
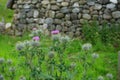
64 15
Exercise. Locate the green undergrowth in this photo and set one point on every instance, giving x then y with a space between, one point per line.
107 62
4 12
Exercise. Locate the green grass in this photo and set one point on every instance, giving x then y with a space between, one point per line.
5 13
107 62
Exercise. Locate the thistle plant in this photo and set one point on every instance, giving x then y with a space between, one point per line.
109 76
12 73
1 77
86 49
59 45
2 65
100 78
51 63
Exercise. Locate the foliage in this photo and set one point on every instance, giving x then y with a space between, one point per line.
37 60
106 33
4 12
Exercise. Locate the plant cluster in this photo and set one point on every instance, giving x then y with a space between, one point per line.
106 33
50 62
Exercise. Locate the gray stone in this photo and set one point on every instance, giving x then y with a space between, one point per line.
86 16
59 15
26 6
65 4
107 16
59 27
58 21
8 25
76 10
76 5
64 10
97 6
74 16
45 2
36 13
116 14
103 1
55 7
48 20
59 0
114 1
91 3
51 14
110 6
29 14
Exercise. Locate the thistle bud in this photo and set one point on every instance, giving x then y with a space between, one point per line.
35 43
100 78
95 56
1 77
20 46
22 78
86 46
51 54
72 66
109 76
12 69
64 39
2 60
9 61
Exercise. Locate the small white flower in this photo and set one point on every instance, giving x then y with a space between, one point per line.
95 55
86 46
109 75
100 78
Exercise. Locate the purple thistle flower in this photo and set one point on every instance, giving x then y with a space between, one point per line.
36 38
55 32
34 29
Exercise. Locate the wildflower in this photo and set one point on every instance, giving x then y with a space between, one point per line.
1 77
9 61
51 54
12 69
34 43
22 78
26 43
100 78
109 75
55 32
34 33
39 31
65 39
2 60
72 66
86 46
95 56
36 38
56 37
34 29
19 46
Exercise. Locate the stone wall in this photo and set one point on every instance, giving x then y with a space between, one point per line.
64 15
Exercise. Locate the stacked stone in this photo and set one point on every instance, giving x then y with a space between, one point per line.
67 16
